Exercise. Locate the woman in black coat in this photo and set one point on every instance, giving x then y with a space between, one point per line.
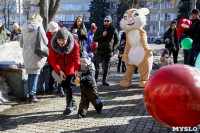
171 41
79 29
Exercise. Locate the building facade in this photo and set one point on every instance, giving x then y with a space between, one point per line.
70 9
169 12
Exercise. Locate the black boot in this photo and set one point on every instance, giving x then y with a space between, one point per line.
104 78
96 75
136 71
33 99
118 70
71 104
99 108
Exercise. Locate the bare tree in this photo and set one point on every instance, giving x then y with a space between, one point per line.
6 6
3 4
53 8
134 3
28 8
10 7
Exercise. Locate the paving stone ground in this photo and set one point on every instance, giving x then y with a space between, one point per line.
123 112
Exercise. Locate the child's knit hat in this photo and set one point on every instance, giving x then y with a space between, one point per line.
86 58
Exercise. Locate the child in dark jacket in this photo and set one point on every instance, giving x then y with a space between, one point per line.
121 48
89 92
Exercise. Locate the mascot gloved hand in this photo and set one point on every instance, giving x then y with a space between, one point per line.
137 52
124 57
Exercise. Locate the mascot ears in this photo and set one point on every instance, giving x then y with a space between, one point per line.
143 11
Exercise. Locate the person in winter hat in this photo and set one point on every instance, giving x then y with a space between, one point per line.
108 41
80 29
89 92
165 59
64 57
32 62
15 32
121 48
53 28
4 34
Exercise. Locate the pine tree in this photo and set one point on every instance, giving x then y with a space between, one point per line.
122 8
98 10
184 9
198 4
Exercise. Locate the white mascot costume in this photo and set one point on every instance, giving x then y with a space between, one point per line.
137 52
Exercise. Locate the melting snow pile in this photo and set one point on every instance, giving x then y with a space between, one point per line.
11 53
4 89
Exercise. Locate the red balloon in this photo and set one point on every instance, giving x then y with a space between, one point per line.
93 46
172 96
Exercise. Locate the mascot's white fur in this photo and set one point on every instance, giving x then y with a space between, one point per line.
137 52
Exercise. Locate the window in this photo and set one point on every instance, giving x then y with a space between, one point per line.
170 16
155 29
58 17
86 17
151 29
154 17
69 17
147 28
162 30
74 6
114 17
148 17
155 4
112 5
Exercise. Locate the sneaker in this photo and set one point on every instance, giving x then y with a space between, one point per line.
62 94
33 99
67 111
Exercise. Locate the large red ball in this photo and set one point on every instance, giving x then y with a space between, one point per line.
172 96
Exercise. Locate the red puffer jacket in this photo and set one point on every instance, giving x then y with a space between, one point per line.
65 58
49 36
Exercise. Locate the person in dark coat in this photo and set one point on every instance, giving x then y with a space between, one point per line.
89 92
14 33
65 59
108 41
4 34
171 41
79 29
194 35
121 48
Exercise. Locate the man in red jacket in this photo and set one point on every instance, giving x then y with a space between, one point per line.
65 59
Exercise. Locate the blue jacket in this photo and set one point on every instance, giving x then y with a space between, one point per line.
89 41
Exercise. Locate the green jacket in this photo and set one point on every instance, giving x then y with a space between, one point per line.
108 44
4 35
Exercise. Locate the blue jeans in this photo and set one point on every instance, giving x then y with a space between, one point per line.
32 83
60 88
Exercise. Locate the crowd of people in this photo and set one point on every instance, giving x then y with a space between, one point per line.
77 54
73 54
173 43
